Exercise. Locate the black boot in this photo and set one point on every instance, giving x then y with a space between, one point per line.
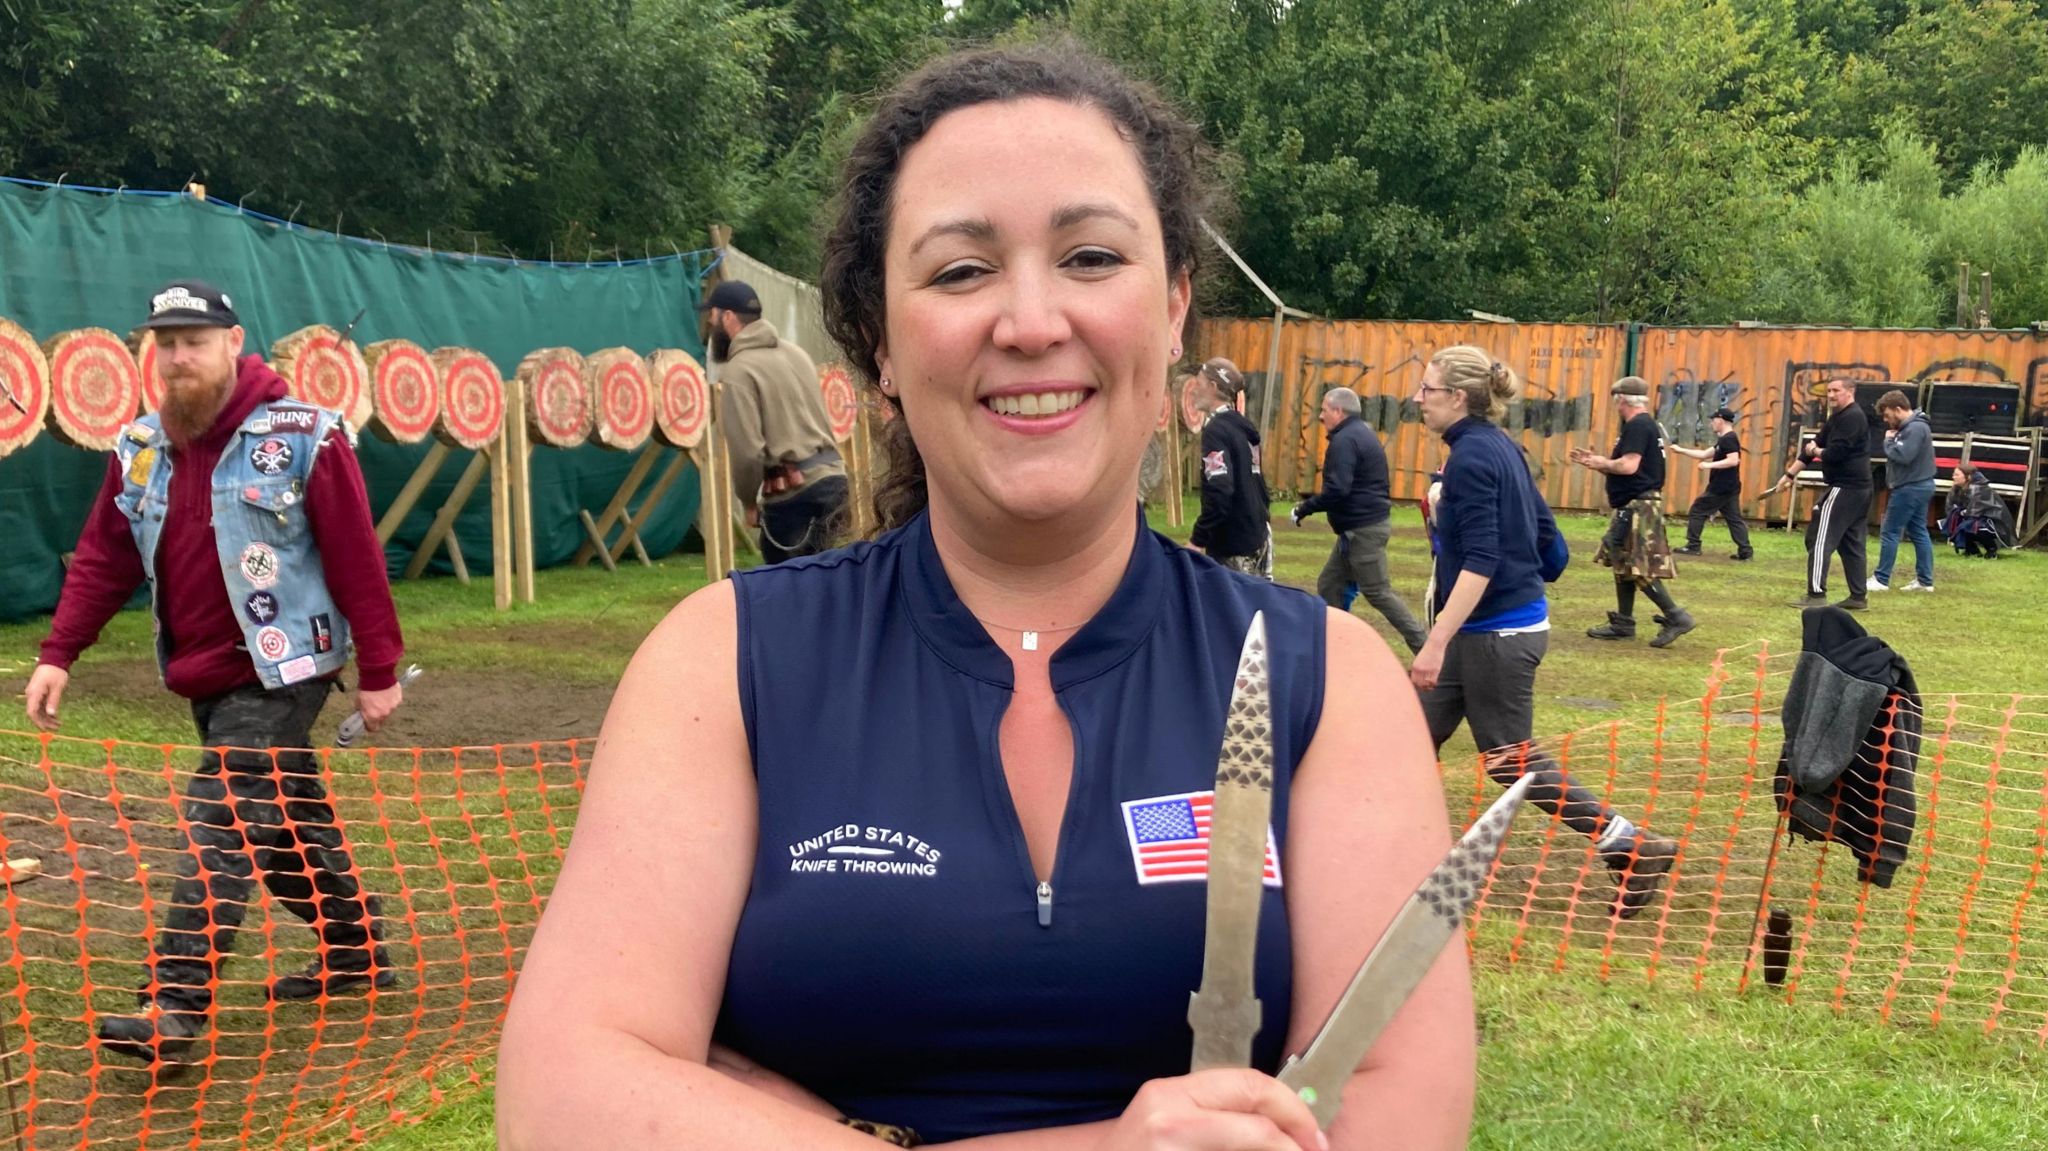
1745 554
1675 624
155 1034
1618 626
1639 870
1688 550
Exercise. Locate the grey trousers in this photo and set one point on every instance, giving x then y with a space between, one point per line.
1489 681
1360 557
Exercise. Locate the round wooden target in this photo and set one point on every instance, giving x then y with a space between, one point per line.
680 395
472 398
618 382
841 407
152 376
322 369
24 376
95 388
557 401
1191 414
405 391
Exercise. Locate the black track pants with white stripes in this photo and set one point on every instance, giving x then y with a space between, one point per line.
1838 526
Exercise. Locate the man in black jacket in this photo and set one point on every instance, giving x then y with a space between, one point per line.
1232 528
1634 546
1355 496
1838 520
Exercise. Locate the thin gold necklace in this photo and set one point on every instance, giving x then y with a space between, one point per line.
1027 638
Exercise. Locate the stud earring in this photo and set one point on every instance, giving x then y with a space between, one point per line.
888 389
1176 351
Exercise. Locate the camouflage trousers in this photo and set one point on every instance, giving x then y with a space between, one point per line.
1635 546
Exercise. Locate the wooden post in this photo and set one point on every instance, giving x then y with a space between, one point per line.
501 521
594 541
519 466
1176 514
617 507
409 495
444 522
707 475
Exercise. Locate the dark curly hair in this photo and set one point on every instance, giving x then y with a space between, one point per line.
1169 148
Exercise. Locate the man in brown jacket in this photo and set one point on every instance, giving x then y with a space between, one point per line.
786 469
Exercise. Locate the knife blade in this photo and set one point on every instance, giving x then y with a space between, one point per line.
1225 1012
1431 918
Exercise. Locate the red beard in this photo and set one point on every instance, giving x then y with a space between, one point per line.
190 407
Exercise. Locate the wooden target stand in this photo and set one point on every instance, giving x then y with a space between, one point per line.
619 384
458 395
684 421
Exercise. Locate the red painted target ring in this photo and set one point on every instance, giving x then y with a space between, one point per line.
95 388
25 376
472 398
617 379
322 369
405 391
842 408
557 400
152 376
681 398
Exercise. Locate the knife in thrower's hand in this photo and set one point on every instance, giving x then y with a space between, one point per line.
1225 1013
1430 919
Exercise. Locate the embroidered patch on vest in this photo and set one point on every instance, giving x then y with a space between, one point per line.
273 643
271 456
1169 838
323 634
295 670
259 565
138 468
294 420
261 607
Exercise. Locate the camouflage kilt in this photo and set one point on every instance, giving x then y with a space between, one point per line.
1635 546
1258 564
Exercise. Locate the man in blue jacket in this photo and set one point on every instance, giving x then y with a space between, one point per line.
1355 497
1909 473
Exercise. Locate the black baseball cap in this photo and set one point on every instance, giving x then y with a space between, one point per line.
190 304
1725 414
733 296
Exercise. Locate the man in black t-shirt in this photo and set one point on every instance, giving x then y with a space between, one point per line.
1635 547
1232 529
1723 464
1838 523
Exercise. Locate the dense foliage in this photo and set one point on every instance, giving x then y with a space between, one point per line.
1657 160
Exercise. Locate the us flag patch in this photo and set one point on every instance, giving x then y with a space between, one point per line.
1169 837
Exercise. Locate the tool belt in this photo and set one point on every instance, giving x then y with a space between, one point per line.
781 479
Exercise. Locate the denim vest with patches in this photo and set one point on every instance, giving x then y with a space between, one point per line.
290 626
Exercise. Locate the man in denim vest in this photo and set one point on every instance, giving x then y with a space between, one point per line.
245 513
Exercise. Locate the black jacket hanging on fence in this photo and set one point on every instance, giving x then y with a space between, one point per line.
1852 744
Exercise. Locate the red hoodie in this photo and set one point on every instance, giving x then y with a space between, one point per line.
201 632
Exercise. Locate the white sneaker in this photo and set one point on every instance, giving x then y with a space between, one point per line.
1916 585
1875 586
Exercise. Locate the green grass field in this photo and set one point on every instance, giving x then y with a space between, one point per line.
1569 1058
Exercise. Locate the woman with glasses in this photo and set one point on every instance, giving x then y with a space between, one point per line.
1497 546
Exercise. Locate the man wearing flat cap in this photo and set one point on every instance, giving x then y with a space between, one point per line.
244 511
786 468
1723 495
1635 547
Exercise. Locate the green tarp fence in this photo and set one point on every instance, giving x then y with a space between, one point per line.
72 258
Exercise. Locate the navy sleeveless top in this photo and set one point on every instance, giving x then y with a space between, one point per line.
896 954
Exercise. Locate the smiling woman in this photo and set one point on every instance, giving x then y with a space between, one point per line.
912 790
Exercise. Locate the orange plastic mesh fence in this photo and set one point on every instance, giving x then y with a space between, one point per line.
461 847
